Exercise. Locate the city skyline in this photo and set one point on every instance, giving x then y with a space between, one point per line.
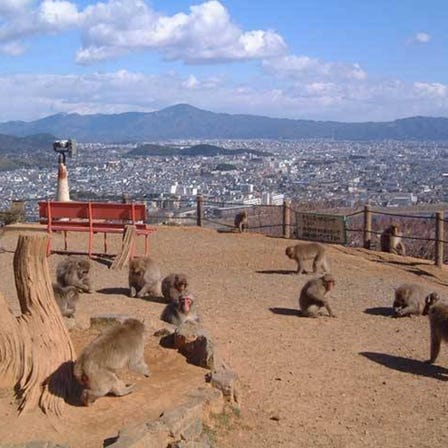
327 60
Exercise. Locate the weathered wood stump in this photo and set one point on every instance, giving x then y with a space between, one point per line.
36 353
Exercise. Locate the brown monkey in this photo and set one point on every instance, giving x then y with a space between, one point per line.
312 296
144 277
306 251
74 271
437 311
391 240
182 311
173 286
119 346
66 298
241 221
409 300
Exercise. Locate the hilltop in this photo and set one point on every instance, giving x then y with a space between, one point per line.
358 380
185 121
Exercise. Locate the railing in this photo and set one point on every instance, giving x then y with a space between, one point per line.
423 232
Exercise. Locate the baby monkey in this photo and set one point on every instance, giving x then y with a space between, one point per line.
173 286
184 310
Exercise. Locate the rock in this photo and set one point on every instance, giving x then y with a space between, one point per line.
195 344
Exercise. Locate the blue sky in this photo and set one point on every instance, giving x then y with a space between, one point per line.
339 60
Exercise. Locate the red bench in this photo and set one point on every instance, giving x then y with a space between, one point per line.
93 217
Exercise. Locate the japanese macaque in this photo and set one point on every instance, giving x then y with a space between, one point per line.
119 346
391 240
313 296
437 311
74 271
173 286
307 251
409 300
66 298
144 277
241 221
182 311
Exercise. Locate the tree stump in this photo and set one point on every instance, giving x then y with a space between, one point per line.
36 353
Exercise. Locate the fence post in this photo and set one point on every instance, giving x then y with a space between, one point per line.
199 209
439 239
367 227
286 217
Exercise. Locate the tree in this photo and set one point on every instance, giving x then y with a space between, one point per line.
36 353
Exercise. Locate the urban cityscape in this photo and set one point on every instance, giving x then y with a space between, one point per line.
341 173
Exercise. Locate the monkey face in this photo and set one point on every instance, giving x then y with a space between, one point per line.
430 300
181 285
185 304
289 252
329 285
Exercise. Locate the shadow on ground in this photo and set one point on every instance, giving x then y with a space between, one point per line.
408 365
380 311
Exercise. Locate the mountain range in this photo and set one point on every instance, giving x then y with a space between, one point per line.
185 121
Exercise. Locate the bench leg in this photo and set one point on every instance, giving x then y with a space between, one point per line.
105 242
146 246
65 240
90 243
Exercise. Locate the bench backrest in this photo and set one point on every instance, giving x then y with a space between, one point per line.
91 210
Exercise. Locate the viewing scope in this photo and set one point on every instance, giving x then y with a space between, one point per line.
65 147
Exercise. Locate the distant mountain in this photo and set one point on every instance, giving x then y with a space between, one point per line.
11 145
184 121
196 150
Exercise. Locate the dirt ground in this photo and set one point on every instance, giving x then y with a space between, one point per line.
355 381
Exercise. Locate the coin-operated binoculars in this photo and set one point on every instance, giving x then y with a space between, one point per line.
63 148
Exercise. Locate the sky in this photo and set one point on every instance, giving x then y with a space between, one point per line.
342 60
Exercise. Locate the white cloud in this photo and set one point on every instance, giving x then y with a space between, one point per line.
434 90
10 7
205 34
115 27
422 38
302 67
12 48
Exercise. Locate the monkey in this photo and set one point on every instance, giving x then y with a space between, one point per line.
144 277
305 251
241 221
182 311
66 298
437 311
74 271
173 286
391 240
118 346
409 300
312 296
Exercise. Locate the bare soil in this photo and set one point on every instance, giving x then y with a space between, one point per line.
355 381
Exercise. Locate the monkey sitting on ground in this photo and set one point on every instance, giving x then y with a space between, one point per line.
391 240
241 221
144 277
182 311
312 296
437 311
306 251
409 300
66 298
119 346
173 286
74 271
